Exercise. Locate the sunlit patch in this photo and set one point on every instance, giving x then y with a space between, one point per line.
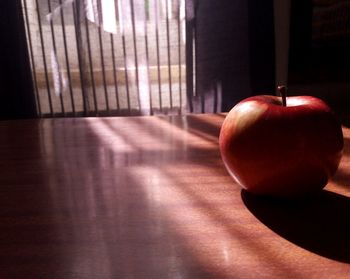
177 216
119 140
202 218
106 17
167 192
293 102
90 11
247 107
144 87
109 16
109 137
245 114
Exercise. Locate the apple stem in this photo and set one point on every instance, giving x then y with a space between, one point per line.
283 91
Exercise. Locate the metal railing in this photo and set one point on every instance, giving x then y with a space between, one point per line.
110 57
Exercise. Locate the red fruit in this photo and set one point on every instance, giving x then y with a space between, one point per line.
276 150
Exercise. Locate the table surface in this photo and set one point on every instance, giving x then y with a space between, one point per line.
148 197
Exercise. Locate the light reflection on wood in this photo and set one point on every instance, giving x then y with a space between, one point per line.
143 197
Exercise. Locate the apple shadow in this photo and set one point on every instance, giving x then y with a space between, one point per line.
320 224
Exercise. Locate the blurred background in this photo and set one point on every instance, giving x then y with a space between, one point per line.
62 58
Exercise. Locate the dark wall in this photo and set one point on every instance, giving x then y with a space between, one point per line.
234 50
317 53
319 58
16 89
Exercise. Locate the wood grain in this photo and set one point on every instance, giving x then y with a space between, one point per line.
148 197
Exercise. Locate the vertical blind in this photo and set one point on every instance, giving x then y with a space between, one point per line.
110 57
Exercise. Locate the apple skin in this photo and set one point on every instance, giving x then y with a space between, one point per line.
281 151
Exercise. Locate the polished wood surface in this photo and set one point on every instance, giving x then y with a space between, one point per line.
148 197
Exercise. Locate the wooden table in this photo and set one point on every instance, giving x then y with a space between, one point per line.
148 197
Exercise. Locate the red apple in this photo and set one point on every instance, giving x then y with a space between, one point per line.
283 147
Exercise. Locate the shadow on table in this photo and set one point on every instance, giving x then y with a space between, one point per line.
320 224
